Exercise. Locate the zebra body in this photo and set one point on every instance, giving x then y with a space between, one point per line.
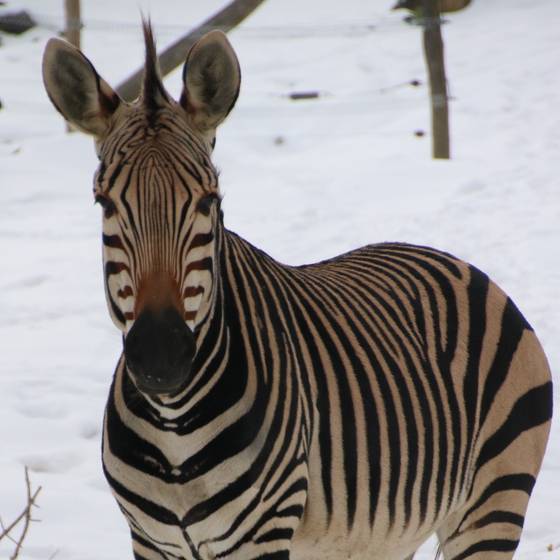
342 368
345 409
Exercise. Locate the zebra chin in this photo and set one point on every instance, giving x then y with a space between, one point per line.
159 350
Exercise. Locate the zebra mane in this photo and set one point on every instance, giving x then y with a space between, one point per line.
153 91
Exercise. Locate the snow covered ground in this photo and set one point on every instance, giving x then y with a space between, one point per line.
303 180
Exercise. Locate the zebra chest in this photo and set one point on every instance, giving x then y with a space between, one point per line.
170 486
172 503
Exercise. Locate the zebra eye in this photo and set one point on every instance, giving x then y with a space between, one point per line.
106 203
204 205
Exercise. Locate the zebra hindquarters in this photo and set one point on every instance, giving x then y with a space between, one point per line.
514 424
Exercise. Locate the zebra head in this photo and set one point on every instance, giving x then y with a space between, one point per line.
159 192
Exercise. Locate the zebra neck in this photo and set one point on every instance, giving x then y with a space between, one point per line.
243 390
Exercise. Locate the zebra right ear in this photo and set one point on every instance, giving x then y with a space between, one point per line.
211 79
76 90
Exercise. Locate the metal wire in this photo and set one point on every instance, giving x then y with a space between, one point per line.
293 30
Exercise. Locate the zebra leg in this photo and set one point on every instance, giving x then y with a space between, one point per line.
489 525
509 449
143 549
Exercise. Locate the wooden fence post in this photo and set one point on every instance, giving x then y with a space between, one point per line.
433 52
73 22
72 29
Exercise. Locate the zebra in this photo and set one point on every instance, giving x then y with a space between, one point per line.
344 409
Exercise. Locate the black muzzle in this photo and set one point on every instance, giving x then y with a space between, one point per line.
159 350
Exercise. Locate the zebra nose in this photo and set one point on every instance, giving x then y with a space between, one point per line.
159 349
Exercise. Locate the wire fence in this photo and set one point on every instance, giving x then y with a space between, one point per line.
297 30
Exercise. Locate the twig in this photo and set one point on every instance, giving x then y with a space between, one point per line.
5 532
25 515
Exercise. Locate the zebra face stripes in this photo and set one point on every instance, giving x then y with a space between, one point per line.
345 409
160 219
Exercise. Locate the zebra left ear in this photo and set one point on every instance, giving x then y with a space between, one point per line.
76 90
211 79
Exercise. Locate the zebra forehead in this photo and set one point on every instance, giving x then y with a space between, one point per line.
163 149
166 127
157 185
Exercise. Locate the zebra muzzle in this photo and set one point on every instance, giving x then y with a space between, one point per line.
159 350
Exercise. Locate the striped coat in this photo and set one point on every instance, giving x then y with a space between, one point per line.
359 402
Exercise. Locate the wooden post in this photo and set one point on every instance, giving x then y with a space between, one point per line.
73 26
73 22
433 52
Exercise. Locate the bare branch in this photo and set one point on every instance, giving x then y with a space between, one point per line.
25 515
5 532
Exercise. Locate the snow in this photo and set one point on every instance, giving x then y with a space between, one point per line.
303 180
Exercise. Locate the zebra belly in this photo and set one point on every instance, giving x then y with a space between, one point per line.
340 549
387 536
323 537
369 545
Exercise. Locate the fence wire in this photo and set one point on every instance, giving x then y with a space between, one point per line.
298 30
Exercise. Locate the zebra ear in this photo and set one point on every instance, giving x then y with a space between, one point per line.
76 90
211 79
